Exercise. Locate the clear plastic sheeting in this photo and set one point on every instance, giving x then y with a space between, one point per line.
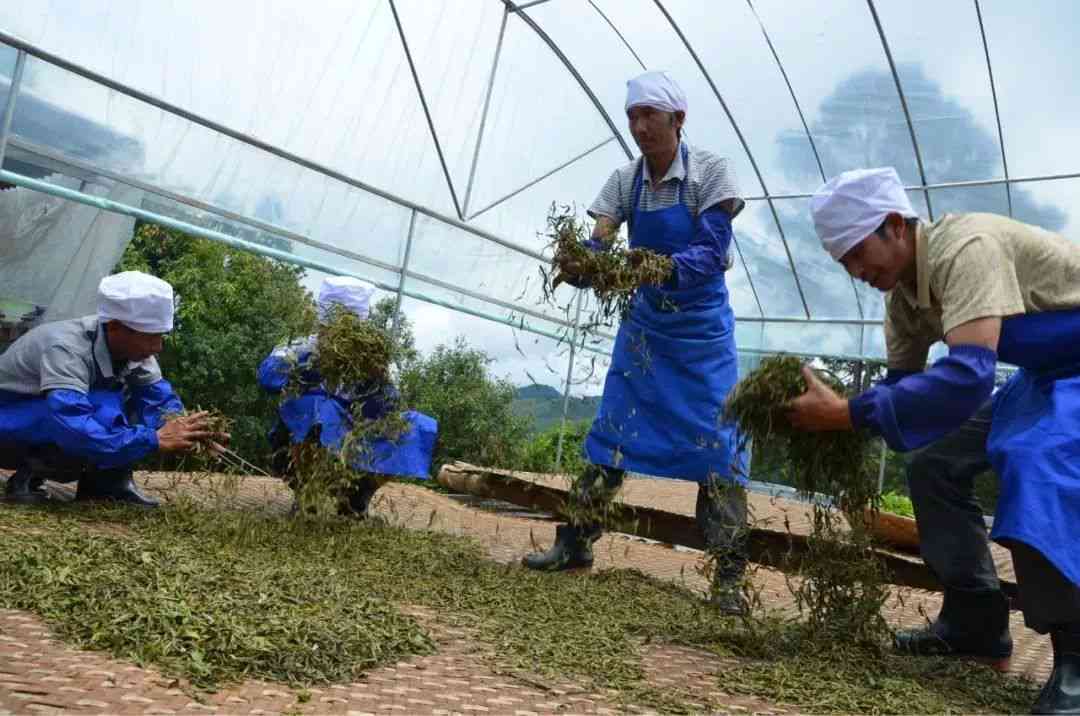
54 252
422 143
7 71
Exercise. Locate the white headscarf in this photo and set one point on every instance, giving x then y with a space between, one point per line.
352 293
656 90
140 301
852 205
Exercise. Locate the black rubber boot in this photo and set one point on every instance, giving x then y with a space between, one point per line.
356 502
572 549
974 624
1061 694
25 488
114 486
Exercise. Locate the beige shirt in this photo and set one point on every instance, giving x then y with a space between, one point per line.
970 266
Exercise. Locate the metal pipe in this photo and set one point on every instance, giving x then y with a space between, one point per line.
401 277
269 228
427 111
489 299
9 105
249 140
616 31
487 104
947 185
539 179
802 119
573 71
997 113
522 6
746 148
569 379
127 210
903 104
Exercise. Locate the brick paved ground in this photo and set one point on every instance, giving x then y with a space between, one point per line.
39 675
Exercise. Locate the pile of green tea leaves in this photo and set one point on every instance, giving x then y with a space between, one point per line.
352 354
844 584
215 597
614 274
352 351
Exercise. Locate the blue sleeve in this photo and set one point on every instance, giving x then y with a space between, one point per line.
77 430
893 376
1041 341
922 407
707 254
273 373
149 404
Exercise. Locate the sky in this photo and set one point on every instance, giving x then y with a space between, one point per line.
330 81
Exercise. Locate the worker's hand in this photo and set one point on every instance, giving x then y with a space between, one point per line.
575 280
184 433
819 408
571 271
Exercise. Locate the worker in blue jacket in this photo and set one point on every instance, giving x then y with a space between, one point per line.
82 400
992 289
330 415
674 360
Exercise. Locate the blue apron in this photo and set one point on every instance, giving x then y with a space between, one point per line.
673 365
408 456
1034 446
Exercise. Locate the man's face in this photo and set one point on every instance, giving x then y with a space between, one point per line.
126 344
654 131
879 261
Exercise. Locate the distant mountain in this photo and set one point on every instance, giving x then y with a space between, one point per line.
537 392
544 404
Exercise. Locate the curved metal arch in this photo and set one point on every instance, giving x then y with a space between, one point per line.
487 105
997 114
617 33
746 148
806 126
572 70
427 111
903 105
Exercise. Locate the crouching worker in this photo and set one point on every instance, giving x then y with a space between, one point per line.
82 400
317 414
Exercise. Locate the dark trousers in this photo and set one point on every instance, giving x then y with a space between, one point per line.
955 544
47 461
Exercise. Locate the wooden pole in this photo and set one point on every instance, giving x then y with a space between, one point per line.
772 548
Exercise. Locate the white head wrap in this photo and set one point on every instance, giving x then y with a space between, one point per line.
141 302
352 293
656 90
852 205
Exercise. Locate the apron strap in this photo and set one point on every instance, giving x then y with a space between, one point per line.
639 183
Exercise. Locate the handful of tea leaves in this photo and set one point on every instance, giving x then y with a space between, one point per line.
614 274
351 351
843 582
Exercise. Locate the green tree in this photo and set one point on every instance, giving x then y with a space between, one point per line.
382 315
233 307
540 452
476 420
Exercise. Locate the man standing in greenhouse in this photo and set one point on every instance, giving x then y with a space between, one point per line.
83 399
674 360
318 414
992 288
